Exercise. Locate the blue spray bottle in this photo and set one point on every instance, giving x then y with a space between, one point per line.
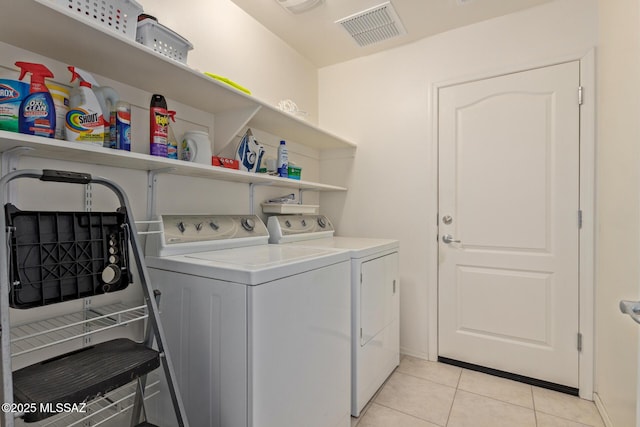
37 115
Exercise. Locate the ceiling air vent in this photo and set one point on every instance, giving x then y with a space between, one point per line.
373 25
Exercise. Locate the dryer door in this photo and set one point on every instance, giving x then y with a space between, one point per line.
379 287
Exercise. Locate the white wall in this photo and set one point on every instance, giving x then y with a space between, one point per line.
229 42
618 195
383 102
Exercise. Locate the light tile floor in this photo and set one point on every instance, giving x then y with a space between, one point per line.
430 394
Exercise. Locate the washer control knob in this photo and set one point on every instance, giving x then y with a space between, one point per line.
248 224
322 222
198 226
214 226
304 223
181 226
287 223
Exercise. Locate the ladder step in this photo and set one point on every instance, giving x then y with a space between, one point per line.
82 375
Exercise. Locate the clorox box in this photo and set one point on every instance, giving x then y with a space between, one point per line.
12 92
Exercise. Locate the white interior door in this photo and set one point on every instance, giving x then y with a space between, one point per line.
509 193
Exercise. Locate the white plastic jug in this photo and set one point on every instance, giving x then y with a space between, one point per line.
196 147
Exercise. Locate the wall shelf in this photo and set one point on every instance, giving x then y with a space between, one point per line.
110 54
92 154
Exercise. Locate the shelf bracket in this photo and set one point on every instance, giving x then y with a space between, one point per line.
9 163
252 188
152 177
301 191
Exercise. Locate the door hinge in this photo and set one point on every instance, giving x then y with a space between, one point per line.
579 341
580 95
580 218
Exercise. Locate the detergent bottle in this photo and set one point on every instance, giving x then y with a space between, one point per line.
37 115
107 98
84 121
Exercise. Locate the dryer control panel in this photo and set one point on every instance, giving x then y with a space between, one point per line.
291 228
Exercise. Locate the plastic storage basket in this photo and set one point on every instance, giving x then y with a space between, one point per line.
120 16
162 40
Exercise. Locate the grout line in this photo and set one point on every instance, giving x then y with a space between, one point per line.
408 414
533 402
453 401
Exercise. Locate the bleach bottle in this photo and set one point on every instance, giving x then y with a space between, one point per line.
85 121
107 99
37 114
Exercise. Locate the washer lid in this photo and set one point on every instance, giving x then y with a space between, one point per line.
358 247
251 265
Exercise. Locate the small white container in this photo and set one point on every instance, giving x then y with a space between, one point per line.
289 208
161 39
120 16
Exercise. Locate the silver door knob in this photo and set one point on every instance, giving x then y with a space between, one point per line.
632 308
448 238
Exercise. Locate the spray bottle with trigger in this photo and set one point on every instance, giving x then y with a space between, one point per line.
84 121
107 98
37 115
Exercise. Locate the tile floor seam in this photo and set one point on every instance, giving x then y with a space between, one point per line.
431 381
533 404
566 419
451 407
413 416
497 400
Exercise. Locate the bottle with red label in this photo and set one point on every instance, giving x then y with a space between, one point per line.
159 129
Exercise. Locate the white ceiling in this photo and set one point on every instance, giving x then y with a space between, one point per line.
315 35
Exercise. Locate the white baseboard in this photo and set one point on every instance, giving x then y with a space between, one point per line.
602 410
417 355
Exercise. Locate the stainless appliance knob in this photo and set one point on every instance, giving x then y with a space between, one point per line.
181 226
322 222
304 223
287 223
214 226
248 224
198 226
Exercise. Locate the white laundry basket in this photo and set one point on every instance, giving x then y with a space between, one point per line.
120 16
163 40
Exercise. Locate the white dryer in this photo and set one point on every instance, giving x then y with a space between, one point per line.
259 334
375 299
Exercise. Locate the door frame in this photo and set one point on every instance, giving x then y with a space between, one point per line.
586 273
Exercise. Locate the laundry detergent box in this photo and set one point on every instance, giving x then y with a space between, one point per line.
12 92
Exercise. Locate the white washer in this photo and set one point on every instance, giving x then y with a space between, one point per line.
259 334
375 325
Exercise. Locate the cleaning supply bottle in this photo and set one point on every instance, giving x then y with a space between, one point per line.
123 126
159 126
172 142
37 114
283 160
107 99
84 121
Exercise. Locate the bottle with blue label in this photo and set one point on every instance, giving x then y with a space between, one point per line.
37 114
283 160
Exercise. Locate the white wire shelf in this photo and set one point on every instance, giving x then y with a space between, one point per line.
100 411
56 330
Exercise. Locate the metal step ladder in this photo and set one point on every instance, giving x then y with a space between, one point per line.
51 257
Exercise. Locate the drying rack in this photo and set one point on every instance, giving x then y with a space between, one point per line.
104 379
